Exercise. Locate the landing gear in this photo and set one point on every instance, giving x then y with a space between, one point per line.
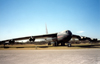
4 45
62 44
69 44
56 44
49 43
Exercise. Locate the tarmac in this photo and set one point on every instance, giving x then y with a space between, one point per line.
75 56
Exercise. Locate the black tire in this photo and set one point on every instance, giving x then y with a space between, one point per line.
69 45
49 43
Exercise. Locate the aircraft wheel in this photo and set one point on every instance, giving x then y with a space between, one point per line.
69 45
49 43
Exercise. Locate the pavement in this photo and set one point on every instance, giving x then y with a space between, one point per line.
75 56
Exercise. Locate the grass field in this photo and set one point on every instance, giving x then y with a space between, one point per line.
46 47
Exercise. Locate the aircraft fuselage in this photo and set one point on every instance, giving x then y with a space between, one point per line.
63 37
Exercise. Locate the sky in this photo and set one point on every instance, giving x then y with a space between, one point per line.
20 18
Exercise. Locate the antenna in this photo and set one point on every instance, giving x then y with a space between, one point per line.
46 29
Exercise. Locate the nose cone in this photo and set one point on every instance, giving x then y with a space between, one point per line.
69 33
64 36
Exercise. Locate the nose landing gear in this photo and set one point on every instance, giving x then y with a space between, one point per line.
69 44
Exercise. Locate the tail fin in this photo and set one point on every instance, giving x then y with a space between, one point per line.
46 29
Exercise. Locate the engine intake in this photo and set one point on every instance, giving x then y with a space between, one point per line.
12 41
31 39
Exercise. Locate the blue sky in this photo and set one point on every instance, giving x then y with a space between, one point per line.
19 18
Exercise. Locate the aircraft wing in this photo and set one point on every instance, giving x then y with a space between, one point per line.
81 37
37 36
75 36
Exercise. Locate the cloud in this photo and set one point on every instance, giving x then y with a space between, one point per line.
80 31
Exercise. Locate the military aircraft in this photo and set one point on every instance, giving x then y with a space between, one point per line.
58 38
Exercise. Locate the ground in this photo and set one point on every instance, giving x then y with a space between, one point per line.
46 47
44 54
72 56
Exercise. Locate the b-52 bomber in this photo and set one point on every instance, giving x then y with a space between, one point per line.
58 38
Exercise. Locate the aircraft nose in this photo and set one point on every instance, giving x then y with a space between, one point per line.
69 33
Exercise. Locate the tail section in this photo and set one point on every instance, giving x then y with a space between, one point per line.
46 29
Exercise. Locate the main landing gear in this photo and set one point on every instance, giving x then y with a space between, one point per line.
49 43
68 44
56 44
62 44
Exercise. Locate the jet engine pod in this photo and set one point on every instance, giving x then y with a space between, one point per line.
82 38
87 38
94 39
11 41
54 39
31 38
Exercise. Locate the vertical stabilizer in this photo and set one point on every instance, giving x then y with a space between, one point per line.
46 29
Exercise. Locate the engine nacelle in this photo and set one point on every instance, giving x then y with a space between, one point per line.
54 39
11 41
94 39
87 38
31 39
82 38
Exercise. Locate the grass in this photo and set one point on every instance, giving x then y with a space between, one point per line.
50 47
